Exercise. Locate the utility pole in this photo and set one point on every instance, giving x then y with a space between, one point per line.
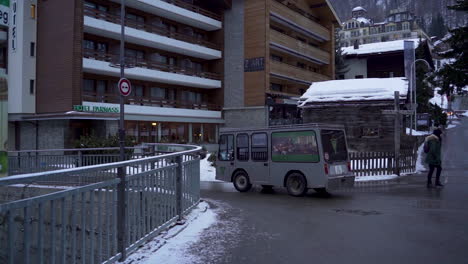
121 197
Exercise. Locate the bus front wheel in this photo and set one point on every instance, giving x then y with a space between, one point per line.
296 184
241 181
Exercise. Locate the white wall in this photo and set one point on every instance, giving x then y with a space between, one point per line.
21 66
356 67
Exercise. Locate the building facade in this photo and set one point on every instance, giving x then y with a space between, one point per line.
285 46
64 69
360 29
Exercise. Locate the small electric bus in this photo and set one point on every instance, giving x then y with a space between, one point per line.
298 157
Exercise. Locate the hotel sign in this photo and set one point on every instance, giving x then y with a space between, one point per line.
4 12
95 109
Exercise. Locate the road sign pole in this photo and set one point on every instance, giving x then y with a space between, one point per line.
121 204
397 133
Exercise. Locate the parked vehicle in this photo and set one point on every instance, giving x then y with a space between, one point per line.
298 157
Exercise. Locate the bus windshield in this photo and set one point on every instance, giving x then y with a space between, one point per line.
334 146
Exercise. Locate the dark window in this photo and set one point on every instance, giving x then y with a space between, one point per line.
31 86
90 4
276 87
301 65
158 92
301 39
294 146
138 90
359 76
88 44
242 146
226 147
102 47
276 58
88 85
370 132
301 91
259 147
33 49
341 77
334 145
135 18
101 87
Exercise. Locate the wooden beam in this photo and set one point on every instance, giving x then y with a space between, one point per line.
318 5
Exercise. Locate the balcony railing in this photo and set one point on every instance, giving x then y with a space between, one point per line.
147 101
102 15
142 63
194 8
300 17
295 73
299 47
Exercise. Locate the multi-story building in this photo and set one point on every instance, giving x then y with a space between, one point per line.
64 70
274 51
360 29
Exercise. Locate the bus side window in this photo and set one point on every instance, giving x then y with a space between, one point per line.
259 147
226 147
242 147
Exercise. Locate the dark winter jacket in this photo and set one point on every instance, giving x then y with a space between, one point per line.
434 156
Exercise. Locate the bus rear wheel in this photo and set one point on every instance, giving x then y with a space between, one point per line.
241 181
296 184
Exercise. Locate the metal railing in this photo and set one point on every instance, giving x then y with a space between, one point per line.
104 15
149 64
382 163
194 8
82 224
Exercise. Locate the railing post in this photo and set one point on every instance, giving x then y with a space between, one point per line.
178 160
122 214
80 158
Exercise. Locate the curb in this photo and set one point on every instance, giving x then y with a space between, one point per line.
397 180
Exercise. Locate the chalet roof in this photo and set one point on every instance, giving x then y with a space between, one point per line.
355 90
379 47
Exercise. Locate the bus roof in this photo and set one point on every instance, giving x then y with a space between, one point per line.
294 126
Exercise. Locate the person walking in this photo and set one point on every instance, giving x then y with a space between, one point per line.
434 156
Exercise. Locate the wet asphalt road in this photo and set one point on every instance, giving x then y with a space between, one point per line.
397 223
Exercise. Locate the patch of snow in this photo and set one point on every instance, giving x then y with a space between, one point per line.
355 90
420 167
375 178
363 20
173 246
417 133
207 172
440 100
359 8
465 114
378 47
450 126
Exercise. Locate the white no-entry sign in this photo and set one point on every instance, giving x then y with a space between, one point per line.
125 87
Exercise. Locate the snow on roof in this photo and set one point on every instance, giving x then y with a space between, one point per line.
354 90
359 8
378 47
363 20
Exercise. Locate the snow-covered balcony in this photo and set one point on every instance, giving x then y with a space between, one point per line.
104 24
179 11
146 70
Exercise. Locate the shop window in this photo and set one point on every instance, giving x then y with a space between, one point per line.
226 148
154 132
259 147
209 133
197 136
242 147
296 146
144 132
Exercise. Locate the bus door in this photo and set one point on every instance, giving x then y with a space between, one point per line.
225 162
259 164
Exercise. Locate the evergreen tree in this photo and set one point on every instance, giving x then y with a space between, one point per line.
340 65
454 76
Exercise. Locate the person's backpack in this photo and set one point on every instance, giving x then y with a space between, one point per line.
426 147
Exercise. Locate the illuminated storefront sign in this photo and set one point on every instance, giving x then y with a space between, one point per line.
95 109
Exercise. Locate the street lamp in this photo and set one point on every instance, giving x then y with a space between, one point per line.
413 92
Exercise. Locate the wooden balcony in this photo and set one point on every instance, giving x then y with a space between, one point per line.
302 19
195 9
295 74
299 48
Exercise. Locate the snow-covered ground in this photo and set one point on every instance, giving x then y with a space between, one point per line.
417 133
375 178
465 114
173 246
207 172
